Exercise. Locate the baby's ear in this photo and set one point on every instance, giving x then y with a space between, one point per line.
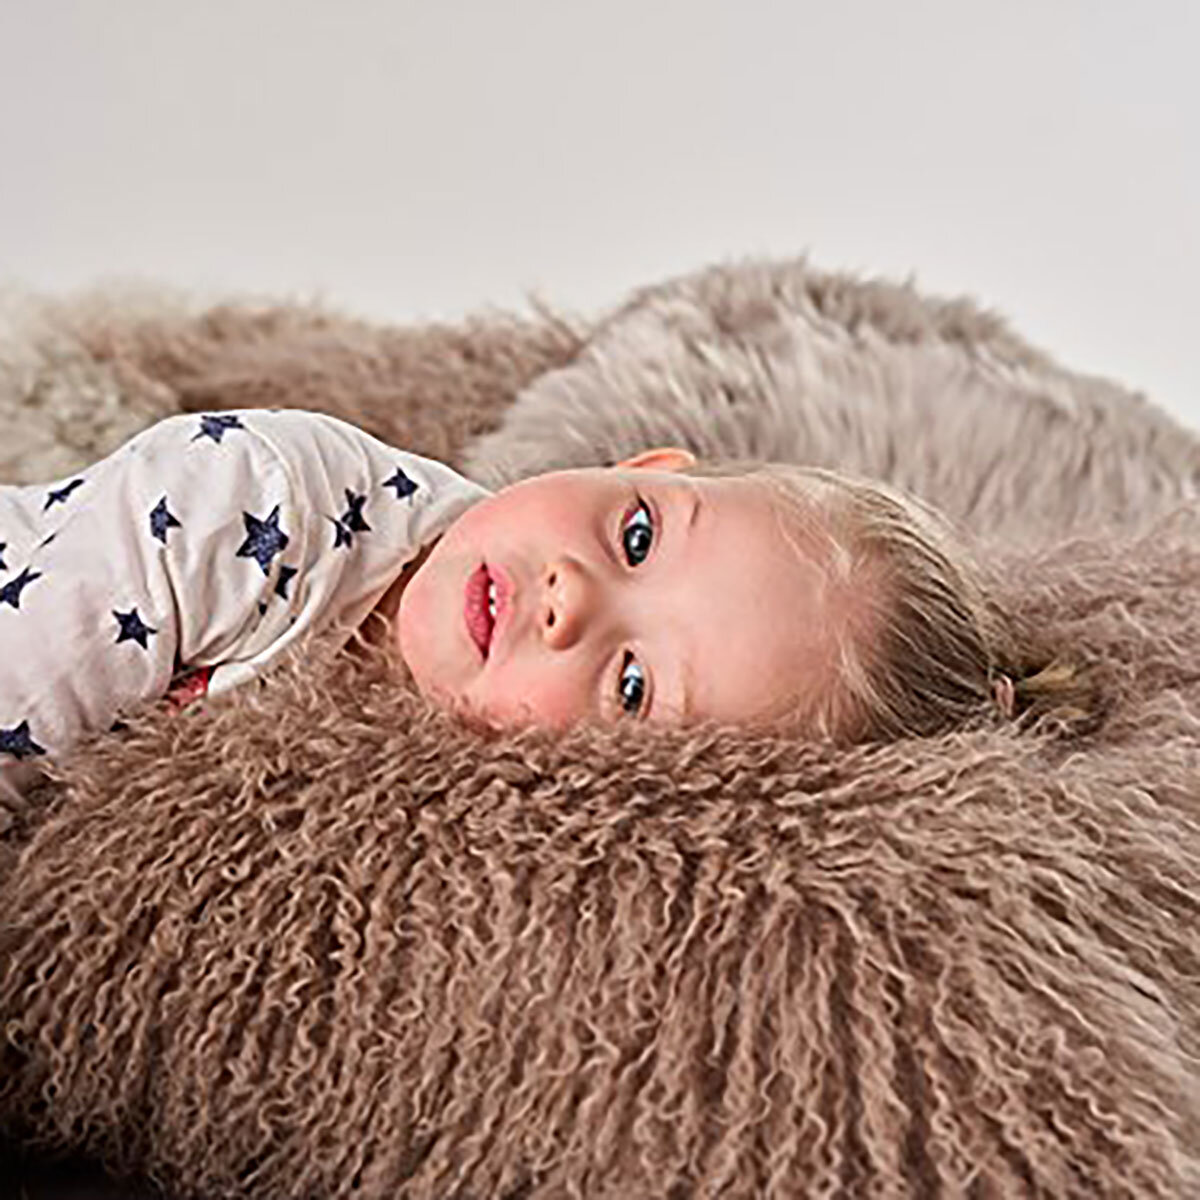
662 458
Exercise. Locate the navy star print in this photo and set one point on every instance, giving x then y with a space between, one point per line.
350 522
264 539
217 427
10 593
353 515
262 489
161 520
17 742
286 574
401 482
60 496
133 628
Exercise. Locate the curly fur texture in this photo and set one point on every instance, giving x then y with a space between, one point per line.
777 361
79 377
318 940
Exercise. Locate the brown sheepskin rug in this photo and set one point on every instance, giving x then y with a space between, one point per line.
317 940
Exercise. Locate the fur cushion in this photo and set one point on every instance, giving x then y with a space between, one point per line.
776 361
316 939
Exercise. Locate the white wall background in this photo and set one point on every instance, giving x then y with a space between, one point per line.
404 159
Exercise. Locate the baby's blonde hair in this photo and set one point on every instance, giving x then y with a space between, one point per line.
921 648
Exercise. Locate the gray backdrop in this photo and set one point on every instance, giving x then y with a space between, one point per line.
406 159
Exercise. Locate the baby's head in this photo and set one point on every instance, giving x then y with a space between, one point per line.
668 590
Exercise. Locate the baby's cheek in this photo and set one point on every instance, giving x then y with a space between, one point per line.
544 696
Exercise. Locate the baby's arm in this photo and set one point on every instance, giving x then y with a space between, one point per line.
115 578
207 542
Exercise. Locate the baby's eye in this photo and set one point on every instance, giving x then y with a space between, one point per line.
631 685
637 538
637 534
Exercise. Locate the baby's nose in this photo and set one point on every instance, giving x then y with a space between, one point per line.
563 603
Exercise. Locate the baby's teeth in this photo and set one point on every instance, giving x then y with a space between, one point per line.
492 599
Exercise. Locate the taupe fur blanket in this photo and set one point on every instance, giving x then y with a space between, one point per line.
316 940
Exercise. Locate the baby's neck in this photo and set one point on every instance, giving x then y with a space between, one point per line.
374 629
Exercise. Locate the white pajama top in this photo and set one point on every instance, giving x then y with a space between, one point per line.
205 546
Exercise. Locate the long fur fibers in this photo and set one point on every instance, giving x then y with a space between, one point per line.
315 939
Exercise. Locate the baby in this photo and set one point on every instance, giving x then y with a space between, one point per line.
661 589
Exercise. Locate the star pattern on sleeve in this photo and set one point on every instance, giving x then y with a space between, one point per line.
60 496
161 520
10 593
402 483
351 521
133 628
265 542
286 574
264 539
217 427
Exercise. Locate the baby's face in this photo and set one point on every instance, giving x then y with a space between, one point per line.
623 592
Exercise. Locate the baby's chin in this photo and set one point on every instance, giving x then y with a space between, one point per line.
464 710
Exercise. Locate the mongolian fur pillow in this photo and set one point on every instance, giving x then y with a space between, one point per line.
318 940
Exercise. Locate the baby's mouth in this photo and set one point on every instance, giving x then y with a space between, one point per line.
479 608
